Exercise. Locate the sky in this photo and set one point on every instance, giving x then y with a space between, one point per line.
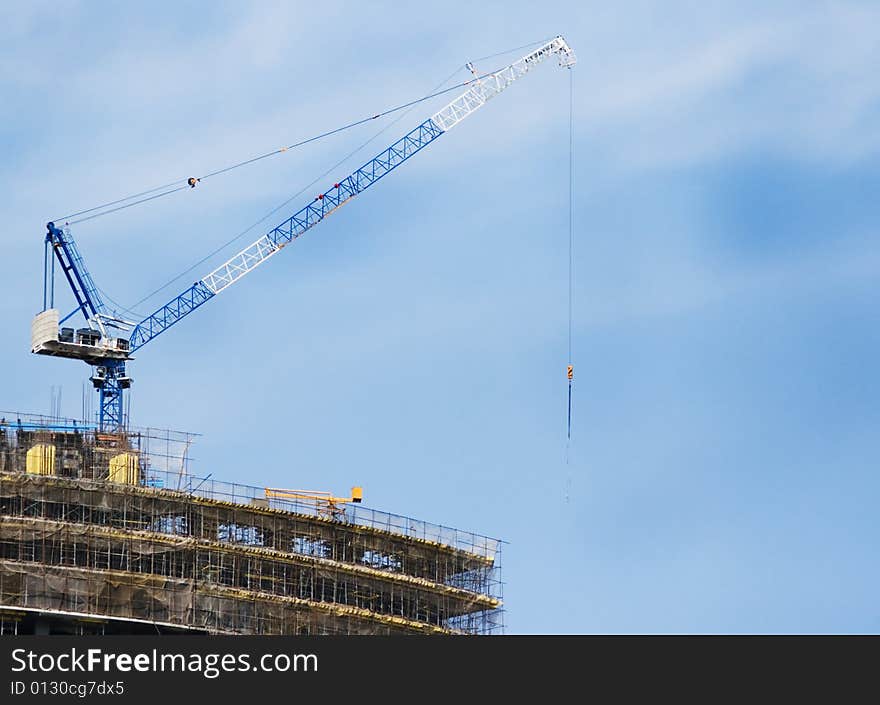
721 475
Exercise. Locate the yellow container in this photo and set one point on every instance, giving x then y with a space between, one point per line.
41 459
124 469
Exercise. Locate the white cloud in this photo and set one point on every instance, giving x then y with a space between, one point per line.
803 84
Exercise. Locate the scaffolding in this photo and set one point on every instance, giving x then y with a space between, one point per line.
116 528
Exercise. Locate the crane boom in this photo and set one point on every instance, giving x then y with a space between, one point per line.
108 355
326 203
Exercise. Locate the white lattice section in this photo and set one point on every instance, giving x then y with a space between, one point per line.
245 261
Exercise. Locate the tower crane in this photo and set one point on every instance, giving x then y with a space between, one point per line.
106 342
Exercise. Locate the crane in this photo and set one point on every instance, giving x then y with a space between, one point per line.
106 342
325 503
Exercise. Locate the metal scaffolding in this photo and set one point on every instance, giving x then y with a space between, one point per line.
114 527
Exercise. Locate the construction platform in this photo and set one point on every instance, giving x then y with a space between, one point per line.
110 533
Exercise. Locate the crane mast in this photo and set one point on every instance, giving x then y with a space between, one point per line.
107 353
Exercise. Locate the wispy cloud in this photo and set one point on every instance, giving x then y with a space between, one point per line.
778 83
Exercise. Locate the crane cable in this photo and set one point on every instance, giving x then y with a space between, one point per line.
570 234
570 367
190 182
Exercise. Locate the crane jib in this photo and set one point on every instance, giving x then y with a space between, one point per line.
271 243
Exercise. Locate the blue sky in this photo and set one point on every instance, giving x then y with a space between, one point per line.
722 474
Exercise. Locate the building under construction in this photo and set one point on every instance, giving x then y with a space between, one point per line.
110 533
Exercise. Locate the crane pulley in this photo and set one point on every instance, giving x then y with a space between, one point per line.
107 342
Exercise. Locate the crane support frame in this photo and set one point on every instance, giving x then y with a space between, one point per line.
81 283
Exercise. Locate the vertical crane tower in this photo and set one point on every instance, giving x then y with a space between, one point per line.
106 341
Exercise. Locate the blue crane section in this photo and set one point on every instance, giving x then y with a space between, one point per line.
88 301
